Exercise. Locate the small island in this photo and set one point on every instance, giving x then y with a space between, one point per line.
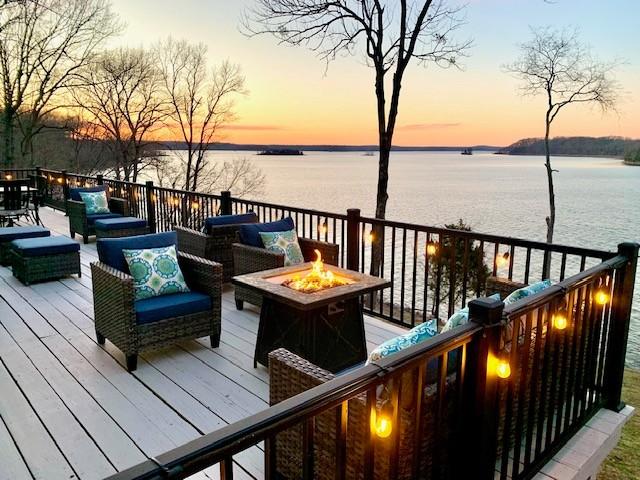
281 151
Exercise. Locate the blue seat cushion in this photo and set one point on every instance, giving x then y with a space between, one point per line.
119 223
110 249
250 232
8 234
92 219
37 247
249 217
168 306
74 193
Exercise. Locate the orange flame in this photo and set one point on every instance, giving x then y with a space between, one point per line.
317 279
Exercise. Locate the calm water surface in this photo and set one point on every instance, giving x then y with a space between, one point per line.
598 200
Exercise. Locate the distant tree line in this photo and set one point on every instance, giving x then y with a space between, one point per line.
586 146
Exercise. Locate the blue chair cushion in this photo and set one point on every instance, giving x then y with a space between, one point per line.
74 193
168 306
92 219
110 249
250 232
248 217
8 234
37 247
119 223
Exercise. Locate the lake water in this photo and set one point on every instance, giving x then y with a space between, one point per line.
598 200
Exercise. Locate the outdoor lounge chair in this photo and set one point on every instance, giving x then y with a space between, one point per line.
83 224
248 257
215 241
137 325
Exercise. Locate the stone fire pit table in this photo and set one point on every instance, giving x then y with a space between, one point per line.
325 327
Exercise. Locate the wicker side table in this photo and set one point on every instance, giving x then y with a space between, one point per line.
121 227
46 258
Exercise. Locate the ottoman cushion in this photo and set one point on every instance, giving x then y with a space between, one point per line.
38 247
92 219
120 223
9 234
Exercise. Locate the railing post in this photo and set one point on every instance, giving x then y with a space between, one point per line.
480 425
225 203
353 238
99 179
622 301
151 207
65 185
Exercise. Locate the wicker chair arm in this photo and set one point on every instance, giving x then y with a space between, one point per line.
119 205
202 275
291 374
76 209
192 241
248 259
113 298
329 251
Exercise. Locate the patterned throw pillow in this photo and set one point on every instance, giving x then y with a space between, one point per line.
95 202
526 291
416 335
462 316
155 272
285 243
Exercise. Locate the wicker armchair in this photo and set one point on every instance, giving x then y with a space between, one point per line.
290 375
248 259
215 244
80 223
115 309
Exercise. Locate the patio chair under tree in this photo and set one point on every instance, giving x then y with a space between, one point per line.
137 325
84 224
249 255
215 240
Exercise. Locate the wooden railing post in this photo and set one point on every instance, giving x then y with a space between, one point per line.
480 425
353 239
622 301
65 185
225 203
151 207
99 179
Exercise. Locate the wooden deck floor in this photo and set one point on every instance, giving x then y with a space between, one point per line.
69 409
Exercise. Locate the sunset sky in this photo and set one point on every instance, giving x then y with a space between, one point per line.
292 100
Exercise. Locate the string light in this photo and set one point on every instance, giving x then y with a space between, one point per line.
499 365
195 205
382 420
432 248
8 176
559 320
601 296
323 228
370 236
502 260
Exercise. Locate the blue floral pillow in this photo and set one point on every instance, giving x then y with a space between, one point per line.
416 335
285 243
527 291
462 316
95 202
155 272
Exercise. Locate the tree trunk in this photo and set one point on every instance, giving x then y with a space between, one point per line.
8 134
551 219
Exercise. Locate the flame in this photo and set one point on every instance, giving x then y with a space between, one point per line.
317 279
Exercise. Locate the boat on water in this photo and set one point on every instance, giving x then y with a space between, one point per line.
281 151
466 151
368 154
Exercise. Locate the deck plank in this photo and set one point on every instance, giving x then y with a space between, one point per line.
13 465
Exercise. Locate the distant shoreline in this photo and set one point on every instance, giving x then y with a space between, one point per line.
610 157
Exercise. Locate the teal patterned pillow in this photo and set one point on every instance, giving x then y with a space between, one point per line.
95 202
416 335
462 316
526 291
285 243
155 272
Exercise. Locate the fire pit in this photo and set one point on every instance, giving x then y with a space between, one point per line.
313 311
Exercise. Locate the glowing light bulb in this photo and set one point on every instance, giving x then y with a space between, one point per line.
502 260
503 369
383 426
370 236
195 205
322 228
8 176
59 179
432 248
601 296
560 321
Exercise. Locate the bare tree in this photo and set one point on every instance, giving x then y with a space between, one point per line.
554 63
122 101
390 34
41 50
200 100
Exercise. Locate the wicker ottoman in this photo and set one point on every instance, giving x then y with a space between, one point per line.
45 258
121 227
9 234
